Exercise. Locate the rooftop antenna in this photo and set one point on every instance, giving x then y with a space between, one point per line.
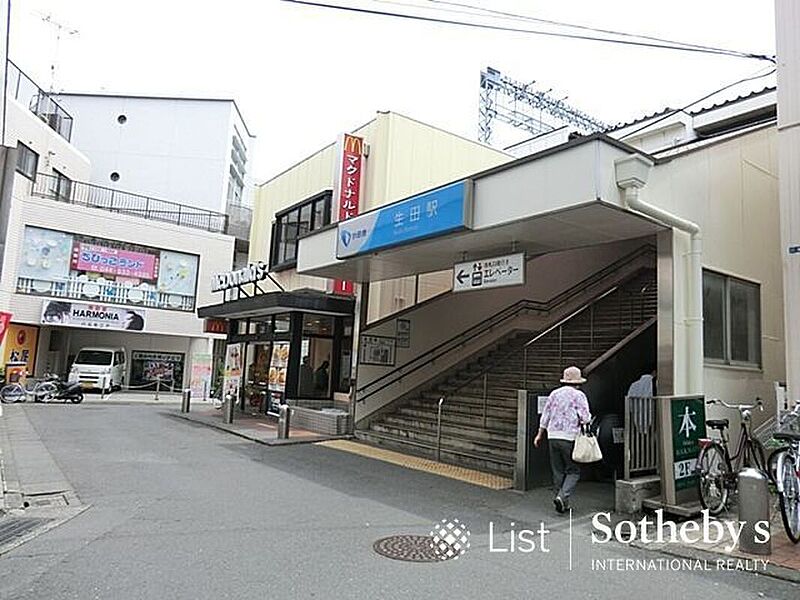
59 30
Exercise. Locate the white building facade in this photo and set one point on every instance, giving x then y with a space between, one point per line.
88 266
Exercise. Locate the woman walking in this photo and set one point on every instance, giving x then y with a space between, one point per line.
564 412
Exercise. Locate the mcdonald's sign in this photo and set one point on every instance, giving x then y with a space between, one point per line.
348 197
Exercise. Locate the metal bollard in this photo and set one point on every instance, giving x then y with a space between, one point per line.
230 404
186 398
284 413
753 507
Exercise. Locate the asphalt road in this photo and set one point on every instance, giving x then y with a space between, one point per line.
178 510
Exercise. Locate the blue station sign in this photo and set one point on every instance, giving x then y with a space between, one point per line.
433 213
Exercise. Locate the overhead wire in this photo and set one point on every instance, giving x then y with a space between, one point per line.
698 101
679 46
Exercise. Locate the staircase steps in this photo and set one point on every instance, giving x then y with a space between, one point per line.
489 443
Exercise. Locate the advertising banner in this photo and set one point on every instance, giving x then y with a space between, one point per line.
5 320
233 370
349 180
434 213
148 367
19 346
200 383
92 316
113 261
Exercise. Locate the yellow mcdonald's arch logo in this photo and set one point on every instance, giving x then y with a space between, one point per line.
353 144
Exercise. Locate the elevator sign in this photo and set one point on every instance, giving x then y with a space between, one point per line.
500 271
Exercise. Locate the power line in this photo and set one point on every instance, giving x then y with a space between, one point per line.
495 27
706 97
528 18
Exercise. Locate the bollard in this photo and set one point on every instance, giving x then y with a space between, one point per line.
158 386
283 421
753 507
230 404
186 398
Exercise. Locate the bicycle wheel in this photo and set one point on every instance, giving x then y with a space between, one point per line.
713 475
44 391
790 499
13 392
772 464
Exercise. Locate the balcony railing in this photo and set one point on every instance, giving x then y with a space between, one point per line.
111 292
95 196
22 88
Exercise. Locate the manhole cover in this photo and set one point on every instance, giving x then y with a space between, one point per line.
12 528
411 548
45 501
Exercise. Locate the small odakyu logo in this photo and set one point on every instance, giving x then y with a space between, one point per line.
346 237
450 539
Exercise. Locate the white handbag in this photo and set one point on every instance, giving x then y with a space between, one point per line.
587 448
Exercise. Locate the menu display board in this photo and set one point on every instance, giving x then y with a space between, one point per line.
277 375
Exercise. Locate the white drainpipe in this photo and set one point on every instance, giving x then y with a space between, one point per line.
631 174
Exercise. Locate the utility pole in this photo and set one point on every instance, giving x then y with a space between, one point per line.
787 24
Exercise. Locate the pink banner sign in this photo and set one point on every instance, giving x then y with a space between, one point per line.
121 263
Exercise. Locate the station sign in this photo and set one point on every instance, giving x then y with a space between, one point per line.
487 273
427 215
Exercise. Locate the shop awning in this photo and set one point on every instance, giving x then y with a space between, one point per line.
560 199
280 302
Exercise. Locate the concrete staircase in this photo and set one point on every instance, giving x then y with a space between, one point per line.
479 414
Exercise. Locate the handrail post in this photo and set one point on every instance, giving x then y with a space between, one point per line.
560 347
485 394
525 368
591 326
439 431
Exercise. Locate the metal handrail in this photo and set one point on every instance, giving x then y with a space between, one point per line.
118 201
505 314
559 326
22 88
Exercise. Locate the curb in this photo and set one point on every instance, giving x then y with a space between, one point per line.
271 443
676 550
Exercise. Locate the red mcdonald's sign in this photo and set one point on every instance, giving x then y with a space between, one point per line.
348 197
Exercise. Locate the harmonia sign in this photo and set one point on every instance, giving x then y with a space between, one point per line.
348 196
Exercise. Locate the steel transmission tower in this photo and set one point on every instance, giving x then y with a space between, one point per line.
536 112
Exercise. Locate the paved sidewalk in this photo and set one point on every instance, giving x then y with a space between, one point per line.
784 562
258 428
28 468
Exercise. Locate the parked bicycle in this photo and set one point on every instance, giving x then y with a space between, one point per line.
717 470
785 463
41 391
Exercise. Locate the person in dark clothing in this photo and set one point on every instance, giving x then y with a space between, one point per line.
321 378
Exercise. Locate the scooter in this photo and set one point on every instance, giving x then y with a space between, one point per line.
65 390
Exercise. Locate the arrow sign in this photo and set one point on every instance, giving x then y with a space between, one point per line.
499 271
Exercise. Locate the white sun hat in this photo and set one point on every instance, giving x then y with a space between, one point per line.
572 375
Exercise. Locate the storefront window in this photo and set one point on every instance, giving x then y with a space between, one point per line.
282 324
317 324
315 368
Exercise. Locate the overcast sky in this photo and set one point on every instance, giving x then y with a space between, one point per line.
302 75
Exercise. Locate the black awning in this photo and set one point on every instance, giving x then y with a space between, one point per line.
278 302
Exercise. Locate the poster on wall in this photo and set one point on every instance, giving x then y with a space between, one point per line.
92 316
5 321
46 255
200 382
19 346
377 350
403 333
94 258
149 367
177 273
233 370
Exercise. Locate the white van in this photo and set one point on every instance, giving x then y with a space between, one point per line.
99 368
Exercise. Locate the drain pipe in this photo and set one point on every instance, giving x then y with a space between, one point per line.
631 174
